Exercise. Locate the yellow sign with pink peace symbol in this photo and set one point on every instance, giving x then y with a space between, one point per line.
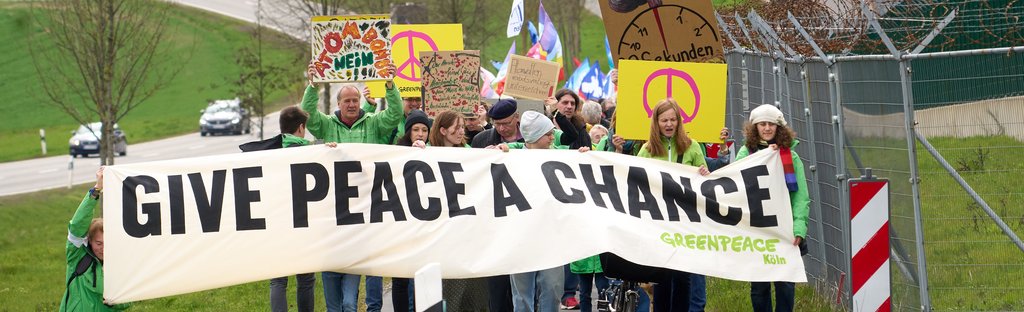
407 41
699 88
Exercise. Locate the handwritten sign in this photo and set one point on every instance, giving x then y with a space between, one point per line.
699 88
351 48
408 41
674 31
531 78
451 81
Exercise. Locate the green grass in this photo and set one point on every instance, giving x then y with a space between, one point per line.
174 110
971 264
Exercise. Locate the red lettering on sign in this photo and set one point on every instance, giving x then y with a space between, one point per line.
370 35
332 42
351 30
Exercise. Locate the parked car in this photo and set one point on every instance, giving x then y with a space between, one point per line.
224 116
86 140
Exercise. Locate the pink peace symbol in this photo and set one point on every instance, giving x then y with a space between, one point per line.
414 59
669 73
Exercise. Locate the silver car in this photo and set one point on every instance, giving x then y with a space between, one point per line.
224 116
86 140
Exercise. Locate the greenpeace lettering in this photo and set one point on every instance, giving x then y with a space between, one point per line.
369 209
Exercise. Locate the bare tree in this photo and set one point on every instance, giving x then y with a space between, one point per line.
110 55
258 76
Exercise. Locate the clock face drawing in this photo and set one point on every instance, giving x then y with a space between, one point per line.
662 30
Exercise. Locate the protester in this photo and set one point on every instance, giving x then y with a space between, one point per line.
478 122
352 124
768 129
417 128
615 143
597 133
293 128
591 274
567 103
698 283
449 130
593 115
538 289
669 142
84 254
506 125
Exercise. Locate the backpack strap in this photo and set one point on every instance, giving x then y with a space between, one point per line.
83 265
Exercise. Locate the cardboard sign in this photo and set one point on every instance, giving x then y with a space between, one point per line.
699 88
351 48
531 78
675 31
451 81
408 42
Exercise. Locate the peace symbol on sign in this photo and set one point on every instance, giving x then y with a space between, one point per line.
413 63
669 73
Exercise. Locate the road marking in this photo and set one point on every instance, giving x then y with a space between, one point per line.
48 170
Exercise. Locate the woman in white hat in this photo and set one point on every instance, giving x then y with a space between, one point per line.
767 129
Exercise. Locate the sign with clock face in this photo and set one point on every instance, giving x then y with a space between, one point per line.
662 30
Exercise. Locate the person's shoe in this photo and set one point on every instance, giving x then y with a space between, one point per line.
570 304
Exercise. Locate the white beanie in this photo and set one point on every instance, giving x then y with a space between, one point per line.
769 113
534 125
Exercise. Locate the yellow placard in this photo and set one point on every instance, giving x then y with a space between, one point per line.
407 41
699 88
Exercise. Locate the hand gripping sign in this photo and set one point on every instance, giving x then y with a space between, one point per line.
351 48
699 88
408 41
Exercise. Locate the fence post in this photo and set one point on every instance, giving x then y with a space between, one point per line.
909 123
42 139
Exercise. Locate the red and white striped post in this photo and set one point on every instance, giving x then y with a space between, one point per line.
869 242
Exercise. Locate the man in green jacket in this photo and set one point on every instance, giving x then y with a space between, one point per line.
84 253
350 124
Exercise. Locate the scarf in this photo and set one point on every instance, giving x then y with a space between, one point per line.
787 165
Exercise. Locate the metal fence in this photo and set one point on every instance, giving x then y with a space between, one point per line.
953 226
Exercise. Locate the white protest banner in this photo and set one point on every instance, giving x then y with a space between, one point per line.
515 19
186 225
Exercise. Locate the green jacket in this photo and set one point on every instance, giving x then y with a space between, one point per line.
369 128
694 155
799 200
588 265
400 131
291 140
84 293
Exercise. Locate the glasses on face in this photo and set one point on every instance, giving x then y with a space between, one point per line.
504 124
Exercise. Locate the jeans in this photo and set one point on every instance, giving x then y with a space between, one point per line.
761 296
572 282
402 298
303 293
587 281
673 293
374 293
499 290
541 289
341 291
698 292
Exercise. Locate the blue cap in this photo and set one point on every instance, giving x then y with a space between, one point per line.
502 109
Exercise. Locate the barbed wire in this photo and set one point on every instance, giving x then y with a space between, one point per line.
842 27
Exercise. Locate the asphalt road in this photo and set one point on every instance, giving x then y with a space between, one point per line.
61 171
